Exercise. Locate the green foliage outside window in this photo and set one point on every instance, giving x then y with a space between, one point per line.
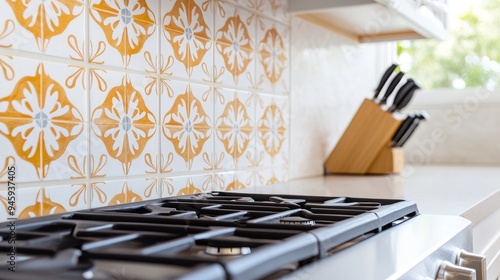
469 58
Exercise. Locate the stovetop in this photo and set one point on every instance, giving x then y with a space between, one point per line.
218 235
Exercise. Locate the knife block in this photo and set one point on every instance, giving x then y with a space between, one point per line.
364 148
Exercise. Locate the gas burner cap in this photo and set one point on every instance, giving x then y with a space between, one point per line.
227 251
295 220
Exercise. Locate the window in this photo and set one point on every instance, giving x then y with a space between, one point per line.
469 58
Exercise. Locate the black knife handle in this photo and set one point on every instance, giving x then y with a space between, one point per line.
402 129
408 133
391 87
384 79
406 98
401 94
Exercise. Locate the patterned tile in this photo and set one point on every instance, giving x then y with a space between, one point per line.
21 149
142 89
109 51
35 202
143 188
66 197
62 153
20 31
116 192
273 45
63 21
144 150
184 185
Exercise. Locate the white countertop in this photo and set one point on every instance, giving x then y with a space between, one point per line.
472 192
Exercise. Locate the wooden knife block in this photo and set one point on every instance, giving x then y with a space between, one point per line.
365 146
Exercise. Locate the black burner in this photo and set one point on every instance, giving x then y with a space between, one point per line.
217 235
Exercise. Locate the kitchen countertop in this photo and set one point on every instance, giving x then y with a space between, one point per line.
472 192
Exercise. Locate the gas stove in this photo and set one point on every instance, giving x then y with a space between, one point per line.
218 235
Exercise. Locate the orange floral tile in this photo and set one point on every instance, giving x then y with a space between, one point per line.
102 44
108 193
111 159
273 40
36 202
142 151
276 9
221 180
186 35
27 162
184 185
272 130
61 150
127 25
62 93
140 57
63 196
63 22
143 188
102 83
235 129
142 99
235 46
171 161
20 80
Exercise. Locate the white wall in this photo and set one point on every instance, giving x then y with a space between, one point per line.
330 77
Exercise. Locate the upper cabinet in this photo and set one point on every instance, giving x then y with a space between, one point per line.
376 20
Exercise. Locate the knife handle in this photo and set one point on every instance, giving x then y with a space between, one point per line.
391 87
384 79
408 133
402 129
402 92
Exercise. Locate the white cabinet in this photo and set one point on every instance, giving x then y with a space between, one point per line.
486 235
376 20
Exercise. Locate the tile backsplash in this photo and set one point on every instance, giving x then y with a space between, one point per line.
107 102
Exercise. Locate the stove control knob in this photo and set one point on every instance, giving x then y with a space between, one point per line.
449 271
474 261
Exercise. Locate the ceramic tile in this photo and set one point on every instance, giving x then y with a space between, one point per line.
143 149
108 44
64 98
142 105
25 35
153 187
184 185
20 84
173 158
143 189
143 50
202 67
169 188
173 93
107 153
115 192
276 9
65 196
149 11
235 46
223 125
107 96
191 17
245 180
64 144
65 30
221 180
21 149
273 55
30 202
264 121
174 54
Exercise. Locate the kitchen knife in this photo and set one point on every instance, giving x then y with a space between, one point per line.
384 79
404 99
402 129
395 81
403 90
418 117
